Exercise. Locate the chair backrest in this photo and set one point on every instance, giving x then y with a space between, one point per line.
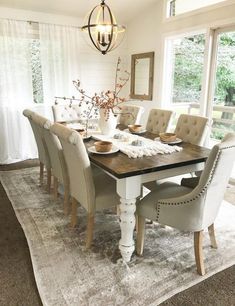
192 129
42 154
66 113
215 176
38 122
130 114
78 164
158 120
54 148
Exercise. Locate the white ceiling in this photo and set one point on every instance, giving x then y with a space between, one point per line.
124 10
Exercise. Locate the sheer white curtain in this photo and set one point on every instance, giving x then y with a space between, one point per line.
60 60
16 138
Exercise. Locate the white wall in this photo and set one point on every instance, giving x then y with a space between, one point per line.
146 33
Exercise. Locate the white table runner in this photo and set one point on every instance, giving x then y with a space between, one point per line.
147 148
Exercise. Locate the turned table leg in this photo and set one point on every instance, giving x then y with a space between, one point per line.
128 189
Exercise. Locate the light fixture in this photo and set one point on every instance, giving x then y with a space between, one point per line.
104 32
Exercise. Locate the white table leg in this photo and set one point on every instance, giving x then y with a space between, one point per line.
128 189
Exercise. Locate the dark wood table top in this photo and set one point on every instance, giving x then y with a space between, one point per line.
121 166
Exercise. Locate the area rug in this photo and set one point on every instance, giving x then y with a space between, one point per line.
67 274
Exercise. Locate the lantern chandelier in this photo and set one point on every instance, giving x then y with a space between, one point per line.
104 32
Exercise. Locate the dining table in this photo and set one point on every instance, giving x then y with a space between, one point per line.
131 173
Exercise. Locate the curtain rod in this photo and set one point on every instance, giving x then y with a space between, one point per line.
37 22
31 21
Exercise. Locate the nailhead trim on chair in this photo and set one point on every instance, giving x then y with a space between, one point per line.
203 190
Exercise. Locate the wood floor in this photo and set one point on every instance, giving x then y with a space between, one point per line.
17 281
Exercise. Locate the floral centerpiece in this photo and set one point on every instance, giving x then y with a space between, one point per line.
107 103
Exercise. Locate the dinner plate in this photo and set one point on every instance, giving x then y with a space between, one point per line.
136 133
178 140
93 150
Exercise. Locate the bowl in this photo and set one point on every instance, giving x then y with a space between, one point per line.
135 128
62 122
82 132
167 137
103 146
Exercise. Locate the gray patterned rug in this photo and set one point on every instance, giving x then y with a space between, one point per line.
66 274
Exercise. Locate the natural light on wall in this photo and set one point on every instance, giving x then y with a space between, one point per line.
177 7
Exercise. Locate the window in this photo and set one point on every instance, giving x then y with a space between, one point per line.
34 51
184 65
177 7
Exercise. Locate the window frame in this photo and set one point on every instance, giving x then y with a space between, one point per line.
193 12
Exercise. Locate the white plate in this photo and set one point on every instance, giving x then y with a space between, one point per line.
178 140
93 150
136 133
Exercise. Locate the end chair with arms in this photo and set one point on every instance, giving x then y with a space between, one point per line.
191 209
42 152
93 192
158 120
66 113
130 114
59 170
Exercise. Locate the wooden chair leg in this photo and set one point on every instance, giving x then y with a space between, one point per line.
211 231
198 238
74 217
118 210
55 188
49 180
41 173
136 223
90 229
66 200
140 235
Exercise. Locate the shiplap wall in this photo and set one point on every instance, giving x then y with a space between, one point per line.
97 71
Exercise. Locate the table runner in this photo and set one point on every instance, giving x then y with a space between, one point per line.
148 147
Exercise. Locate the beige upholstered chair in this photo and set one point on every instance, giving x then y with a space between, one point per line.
158 120
130 114
93 192
66 113
59 170
191 209
42 151
192 129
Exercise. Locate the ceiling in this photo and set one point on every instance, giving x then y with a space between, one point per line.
124 10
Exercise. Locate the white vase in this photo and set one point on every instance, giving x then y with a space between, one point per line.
107 122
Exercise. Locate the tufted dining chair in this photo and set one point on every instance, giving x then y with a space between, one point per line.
93 192
158 120
42 151
191 209
59 170
130 114
65 113
192 129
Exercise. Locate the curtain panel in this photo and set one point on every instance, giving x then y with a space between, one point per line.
16 139
59 59
59 48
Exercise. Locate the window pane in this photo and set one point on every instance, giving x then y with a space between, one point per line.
34 49
187 70
224 99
